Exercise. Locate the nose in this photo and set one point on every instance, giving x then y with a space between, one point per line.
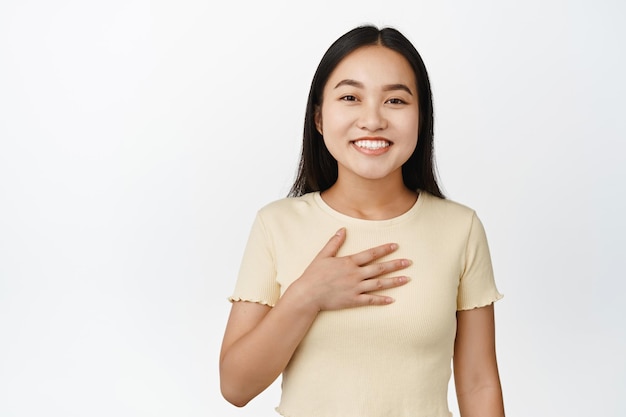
371 118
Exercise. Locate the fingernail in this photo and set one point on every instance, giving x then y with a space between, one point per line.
406 262
393 246
389 300
340 231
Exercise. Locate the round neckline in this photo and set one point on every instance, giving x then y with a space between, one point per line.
317 197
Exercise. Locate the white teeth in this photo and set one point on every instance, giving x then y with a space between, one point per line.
372 144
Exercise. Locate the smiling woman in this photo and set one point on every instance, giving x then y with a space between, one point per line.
369 119
363 285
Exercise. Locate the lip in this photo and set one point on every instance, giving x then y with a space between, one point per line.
374 150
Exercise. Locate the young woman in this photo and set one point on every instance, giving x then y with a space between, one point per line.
363 285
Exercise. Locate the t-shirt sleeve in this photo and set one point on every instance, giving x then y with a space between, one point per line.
477 287
256 281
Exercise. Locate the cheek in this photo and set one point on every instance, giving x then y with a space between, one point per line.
410 126
337 117
330 121
410 134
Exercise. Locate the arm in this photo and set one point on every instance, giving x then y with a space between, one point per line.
258 343
476 376
260 340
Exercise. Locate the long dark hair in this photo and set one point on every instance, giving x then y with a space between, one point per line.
317 170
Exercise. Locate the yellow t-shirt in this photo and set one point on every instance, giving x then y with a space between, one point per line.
373 361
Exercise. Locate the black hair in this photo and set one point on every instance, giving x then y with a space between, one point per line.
317 170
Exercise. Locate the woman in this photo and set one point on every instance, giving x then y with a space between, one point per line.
362 285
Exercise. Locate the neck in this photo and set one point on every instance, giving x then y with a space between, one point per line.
370 199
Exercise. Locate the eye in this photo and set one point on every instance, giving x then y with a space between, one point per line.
396 101
348 98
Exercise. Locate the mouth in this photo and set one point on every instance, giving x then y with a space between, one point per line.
372 144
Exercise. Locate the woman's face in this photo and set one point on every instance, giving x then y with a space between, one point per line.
369 116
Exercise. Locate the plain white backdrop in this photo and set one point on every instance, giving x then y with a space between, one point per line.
138 139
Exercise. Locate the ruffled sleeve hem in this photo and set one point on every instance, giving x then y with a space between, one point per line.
485 301
251 300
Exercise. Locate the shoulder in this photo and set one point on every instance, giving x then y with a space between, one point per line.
449 218
290 212
449 210
288 206
285 219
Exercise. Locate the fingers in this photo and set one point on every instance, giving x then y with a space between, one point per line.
376 284
332 247
365 258
374 300
369 255
380 268
362 258
352 281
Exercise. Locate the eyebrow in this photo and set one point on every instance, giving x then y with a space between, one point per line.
388 87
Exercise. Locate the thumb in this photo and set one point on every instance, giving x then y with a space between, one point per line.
332 247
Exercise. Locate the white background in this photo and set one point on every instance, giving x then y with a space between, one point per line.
138 139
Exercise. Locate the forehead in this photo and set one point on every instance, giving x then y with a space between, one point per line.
373 65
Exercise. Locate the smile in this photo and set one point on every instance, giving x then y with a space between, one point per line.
371 144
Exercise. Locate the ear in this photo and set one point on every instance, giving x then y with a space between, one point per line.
318 120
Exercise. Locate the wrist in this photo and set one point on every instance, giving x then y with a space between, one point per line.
299 299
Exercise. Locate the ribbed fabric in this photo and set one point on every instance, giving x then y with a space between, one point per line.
374 361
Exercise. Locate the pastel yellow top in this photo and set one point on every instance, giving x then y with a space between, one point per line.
373 361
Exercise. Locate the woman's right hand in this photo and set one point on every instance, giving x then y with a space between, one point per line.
333 283
260 340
